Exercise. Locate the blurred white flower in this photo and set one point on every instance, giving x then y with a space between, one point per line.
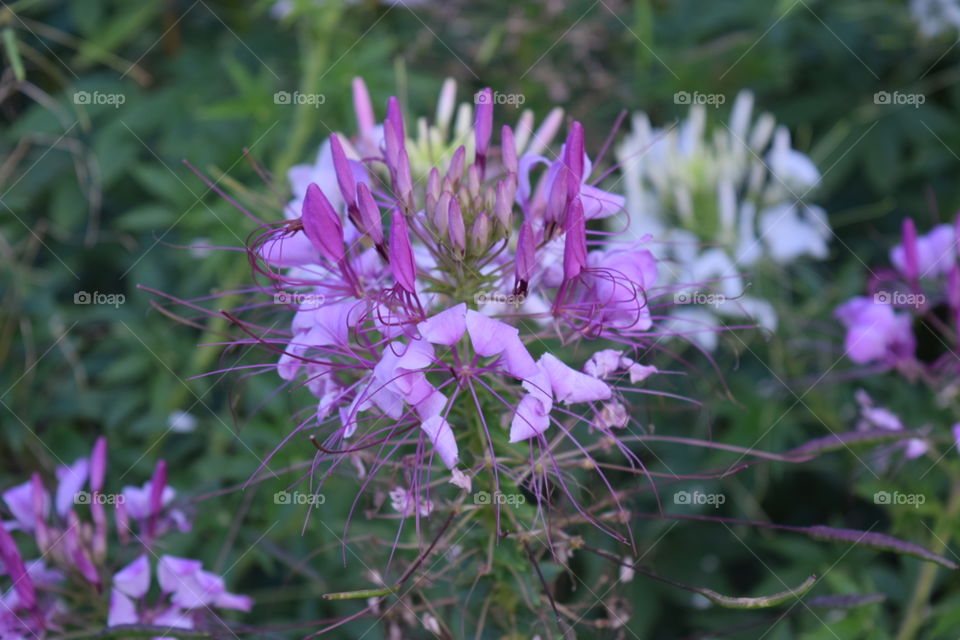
716 201
934 17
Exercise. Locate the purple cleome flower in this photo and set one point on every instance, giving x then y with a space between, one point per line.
441 289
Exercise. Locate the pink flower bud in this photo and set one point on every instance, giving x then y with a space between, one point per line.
455 226
369 214
345 179
363 107
508 150
575 244
525 260
455 170
503 206
401 252
483 124
557 199
480 233
157 484
910 259
441 214
13 564
322 224
573 159
98 464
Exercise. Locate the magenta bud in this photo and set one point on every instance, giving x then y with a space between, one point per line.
155 504
455 170
525 260
483 123
363 107
38 499
345 179
322 224
910 259
953 288
369 214
575 244
456 228
401 252
98 464
573 157
508 150
15 568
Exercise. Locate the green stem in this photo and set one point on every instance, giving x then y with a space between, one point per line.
916 610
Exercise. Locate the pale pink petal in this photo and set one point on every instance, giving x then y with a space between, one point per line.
569 385
122 610
531 419
134 579
447 327
441 435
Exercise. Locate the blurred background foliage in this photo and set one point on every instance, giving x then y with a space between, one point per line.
96 197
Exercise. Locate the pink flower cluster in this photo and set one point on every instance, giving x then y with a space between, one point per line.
77 552
445 294
922 289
